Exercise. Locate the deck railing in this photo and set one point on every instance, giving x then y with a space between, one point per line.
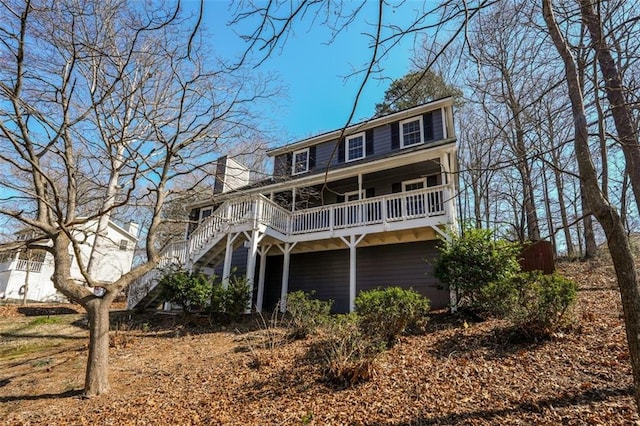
31 265
387 208
254 210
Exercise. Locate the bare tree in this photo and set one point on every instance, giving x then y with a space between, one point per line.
103 106
603 210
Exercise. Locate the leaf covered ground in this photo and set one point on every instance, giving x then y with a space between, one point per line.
458 372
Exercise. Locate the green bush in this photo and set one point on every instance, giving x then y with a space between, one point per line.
346 354
470 261
237 297
389 311
306 313
189 289
232 300
534 302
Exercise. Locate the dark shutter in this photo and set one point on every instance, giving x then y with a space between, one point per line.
395 135
370 192
427 121
369 143
312 158
341 151
288 164
396 187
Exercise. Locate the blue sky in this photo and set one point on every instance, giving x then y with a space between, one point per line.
318 97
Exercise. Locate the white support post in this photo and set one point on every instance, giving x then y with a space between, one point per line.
284 289
261 275
293 200
251 264
352 243
228 256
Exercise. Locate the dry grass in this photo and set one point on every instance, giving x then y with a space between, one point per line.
457 373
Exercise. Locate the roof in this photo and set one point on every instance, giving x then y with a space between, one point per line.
362 126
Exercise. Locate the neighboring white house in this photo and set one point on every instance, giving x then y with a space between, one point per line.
112 257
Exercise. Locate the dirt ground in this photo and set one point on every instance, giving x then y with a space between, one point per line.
165 371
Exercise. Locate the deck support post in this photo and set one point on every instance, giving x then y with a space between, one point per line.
352 243
254 237
262 269
284 289
228 256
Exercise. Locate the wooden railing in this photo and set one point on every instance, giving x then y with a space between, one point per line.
387 208
31 265
255 210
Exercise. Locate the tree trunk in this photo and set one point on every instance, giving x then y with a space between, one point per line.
590 246
615 94
97 374
607 215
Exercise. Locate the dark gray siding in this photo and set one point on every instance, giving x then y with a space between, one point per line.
382 145
238 263
381 140
323 154
403 265
282 165
327 273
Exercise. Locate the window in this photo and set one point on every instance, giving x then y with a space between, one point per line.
124 244
411 132
355 147
300 161
411 185
205 213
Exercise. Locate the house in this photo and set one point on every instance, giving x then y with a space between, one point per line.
342 213
32 269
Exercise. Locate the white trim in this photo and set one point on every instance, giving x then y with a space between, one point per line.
401 130
347 148
360 194
294 162
412 181
209 209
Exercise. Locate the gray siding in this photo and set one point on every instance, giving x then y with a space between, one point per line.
327 273
281 165
323 154
403 265
381 146
381 140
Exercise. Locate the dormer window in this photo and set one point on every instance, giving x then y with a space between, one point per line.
411 132
300 161
355 147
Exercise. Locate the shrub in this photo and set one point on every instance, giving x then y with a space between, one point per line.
469 262
346 354
389 311
189 289
237 295
306 313
534 302
232 300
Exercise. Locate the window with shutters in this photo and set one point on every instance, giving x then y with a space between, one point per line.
355 147
300 161
411 132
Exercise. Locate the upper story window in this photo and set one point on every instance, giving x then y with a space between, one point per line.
300 162
124 245
411 132
355 147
